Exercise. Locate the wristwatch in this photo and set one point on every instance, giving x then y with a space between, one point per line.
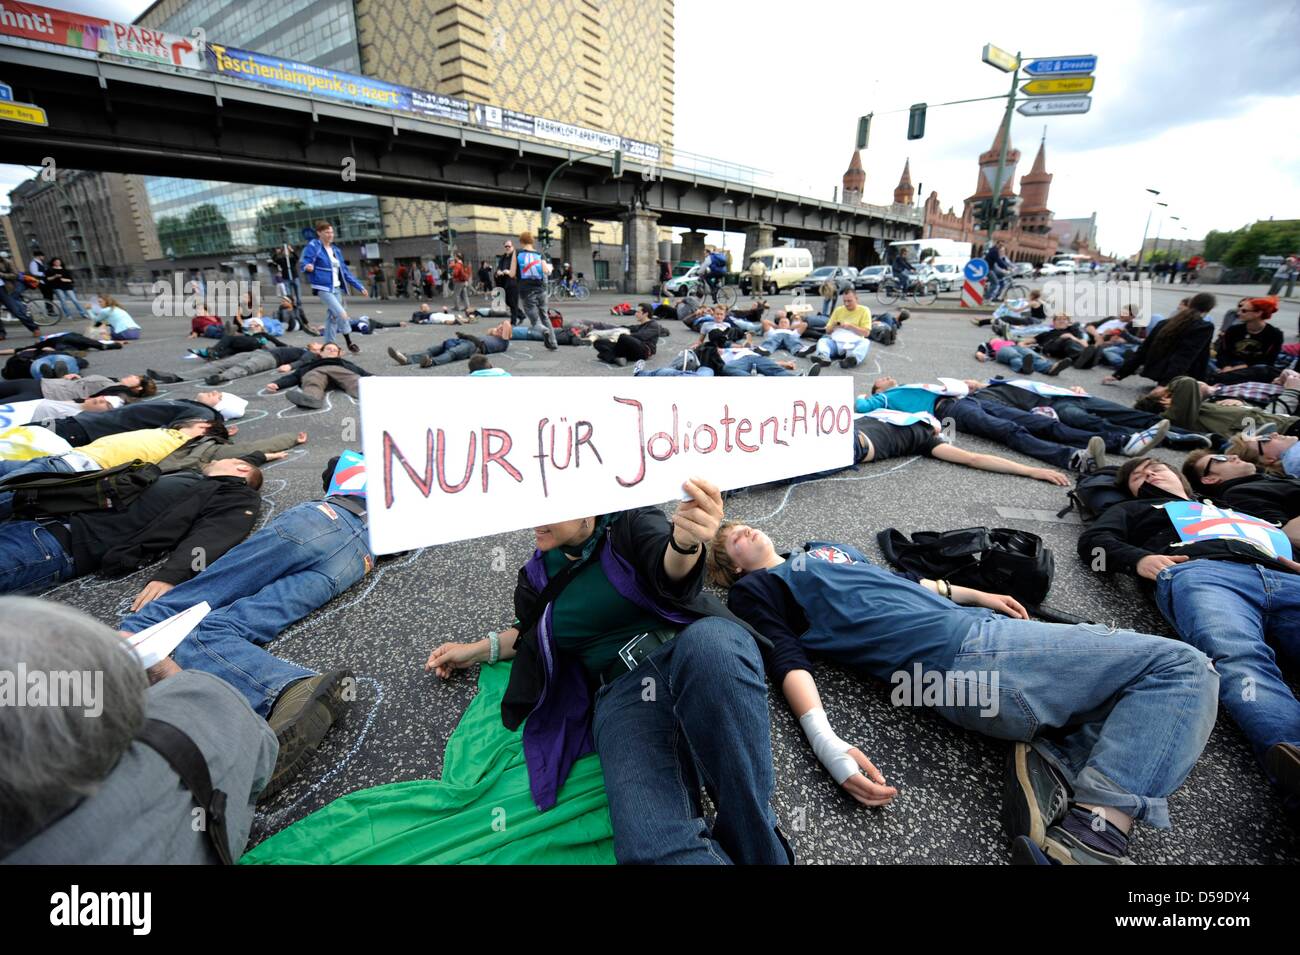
672 542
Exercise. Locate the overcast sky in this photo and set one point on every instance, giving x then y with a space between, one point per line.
1196 98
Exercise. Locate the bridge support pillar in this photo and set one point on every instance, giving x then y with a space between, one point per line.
757 237
576 234
837 249
640 252
692 247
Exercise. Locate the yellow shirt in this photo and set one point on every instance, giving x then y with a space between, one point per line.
860 317
150 445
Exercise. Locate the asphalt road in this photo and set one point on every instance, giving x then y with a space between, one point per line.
949 781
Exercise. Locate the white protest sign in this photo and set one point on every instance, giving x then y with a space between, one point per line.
450 459
152 644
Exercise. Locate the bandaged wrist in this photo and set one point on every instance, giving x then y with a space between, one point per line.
832 752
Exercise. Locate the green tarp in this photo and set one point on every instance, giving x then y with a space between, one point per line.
479 812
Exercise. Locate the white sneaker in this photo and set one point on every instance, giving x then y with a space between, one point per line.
1143 441
639 366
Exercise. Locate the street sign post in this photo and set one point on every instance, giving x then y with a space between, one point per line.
999 58
1055 106
976 269
1056 65
1059 86
23 113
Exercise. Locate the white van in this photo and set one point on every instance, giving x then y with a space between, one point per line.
783 266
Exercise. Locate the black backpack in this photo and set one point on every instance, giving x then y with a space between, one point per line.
1000 560
1093 493
51 494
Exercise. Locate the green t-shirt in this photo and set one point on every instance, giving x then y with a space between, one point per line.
591 620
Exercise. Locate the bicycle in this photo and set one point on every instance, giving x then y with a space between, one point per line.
726 293
575 290
42 312
921 293
1010 292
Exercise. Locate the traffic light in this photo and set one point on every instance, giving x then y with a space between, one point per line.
983 213
1009 207
916 121
864 130
617 170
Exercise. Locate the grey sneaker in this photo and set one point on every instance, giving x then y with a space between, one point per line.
397 356
1034 797
300 718
426 361
1283 763
639 366
1091 458
806 351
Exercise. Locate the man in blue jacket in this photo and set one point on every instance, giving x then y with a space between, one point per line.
329 275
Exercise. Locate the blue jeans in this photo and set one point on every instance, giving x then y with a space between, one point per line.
694 711
1114 355
445 352
753 364
830 349
17 308
31 559
1014 355
67 300
299 562
1022 434
745 325
532 302
1232 612
47 465
704 372
778 339
1126 726
336 316
816 320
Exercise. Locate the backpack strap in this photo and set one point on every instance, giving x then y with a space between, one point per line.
187 761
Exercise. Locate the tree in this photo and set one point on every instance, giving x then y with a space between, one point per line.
1243 247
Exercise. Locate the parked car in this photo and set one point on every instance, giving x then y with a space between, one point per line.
783 266
947 274
869 279
1047 268
842 276
1022 270
680 283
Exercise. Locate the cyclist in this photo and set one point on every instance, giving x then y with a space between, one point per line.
11 284
567 277
715 271
999 268
903 271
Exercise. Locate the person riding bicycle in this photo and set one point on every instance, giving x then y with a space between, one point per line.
904 272
715 271
11 287
567 277
999 268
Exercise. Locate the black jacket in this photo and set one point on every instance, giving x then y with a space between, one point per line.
185 515
1270 498
92 425
1189 355
295 376
1130 530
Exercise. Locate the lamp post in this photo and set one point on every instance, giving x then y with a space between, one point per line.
1159 223
725 203
1142 248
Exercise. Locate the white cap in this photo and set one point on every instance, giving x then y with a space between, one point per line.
231 406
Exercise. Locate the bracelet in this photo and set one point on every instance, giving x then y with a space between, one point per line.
945 589
672 542
494 648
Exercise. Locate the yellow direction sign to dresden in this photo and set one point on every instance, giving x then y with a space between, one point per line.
1058 86
23 113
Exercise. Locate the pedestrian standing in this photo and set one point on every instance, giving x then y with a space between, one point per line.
460 282
324 267
506 280
531 270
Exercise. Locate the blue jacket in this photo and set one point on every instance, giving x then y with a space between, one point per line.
322 274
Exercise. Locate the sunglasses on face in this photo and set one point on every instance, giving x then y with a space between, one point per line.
1211 461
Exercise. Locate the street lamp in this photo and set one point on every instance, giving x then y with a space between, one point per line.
1171 238
1145 228
1159 223
725 203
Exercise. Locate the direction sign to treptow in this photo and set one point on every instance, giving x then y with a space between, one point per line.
1059 86
23 113
1055 106
1056 65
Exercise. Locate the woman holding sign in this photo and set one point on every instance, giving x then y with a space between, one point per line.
615 644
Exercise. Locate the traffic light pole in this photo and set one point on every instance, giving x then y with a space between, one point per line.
1006 142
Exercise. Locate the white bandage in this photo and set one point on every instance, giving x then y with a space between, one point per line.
832 751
